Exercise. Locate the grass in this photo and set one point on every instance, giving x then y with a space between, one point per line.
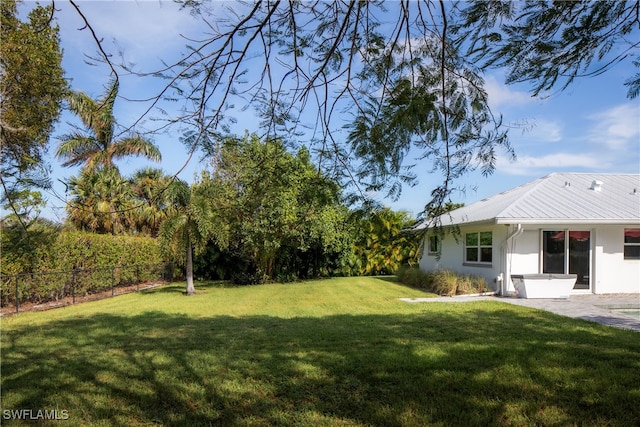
333 352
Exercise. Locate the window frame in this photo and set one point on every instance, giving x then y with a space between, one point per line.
438 244
479 247
626 245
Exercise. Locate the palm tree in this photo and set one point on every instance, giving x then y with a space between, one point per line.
191 222
101 202
149 188
97 147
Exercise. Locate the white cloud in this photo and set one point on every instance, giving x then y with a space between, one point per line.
616 128
539 130
144 30
500 95
527 165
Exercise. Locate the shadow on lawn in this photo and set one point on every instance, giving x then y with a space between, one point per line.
180 287
428 368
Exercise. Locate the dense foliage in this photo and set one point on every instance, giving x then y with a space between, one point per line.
383 242
25 249
105 202
59 260
62 251
87 250
101 202
284 218
260 214
29 103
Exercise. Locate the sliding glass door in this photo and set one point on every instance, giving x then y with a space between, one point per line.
567 252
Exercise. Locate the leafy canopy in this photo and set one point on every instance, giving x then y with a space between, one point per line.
405 77
551 43
29 103
277 206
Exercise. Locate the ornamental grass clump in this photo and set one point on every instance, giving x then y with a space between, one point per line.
445 282
415 277
442 282
468 284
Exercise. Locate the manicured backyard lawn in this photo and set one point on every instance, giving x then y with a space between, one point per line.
331 352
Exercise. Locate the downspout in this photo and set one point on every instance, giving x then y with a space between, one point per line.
504 248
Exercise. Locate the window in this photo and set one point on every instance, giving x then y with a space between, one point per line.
478 247
434 245
568 252
632 243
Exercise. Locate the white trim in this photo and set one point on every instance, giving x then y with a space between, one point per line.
543 222
566 221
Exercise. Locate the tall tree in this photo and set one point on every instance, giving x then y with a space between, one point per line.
192 221
32 87
278 207
403 73
98 146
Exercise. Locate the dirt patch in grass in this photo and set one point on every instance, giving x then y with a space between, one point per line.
69 300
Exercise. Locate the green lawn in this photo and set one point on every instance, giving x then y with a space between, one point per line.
332 352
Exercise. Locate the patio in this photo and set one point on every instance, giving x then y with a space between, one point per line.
594 308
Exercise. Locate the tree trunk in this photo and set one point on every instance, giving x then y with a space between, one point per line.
190 288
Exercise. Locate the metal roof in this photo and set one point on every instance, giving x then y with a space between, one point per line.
558 198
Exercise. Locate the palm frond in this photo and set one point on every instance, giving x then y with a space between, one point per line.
136 145
76 149
83 106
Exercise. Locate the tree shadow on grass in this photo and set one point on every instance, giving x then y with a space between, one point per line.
180 287
388 279
395 281
500 366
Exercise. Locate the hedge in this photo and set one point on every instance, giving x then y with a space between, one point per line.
137 260
79 251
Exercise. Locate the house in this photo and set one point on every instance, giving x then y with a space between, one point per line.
563 223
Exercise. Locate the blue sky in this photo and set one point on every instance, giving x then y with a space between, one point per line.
589 127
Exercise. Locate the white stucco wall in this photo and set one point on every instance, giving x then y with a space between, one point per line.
523 255
610 272
614 274
452 255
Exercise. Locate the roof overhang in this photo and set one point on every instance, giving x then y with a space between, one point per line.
541 221
569 221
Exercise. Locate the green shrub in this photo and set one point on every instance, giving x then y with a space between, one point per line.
245 279
78 250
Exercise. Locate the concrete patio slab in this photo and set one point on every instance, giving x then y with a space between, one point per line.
594 308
